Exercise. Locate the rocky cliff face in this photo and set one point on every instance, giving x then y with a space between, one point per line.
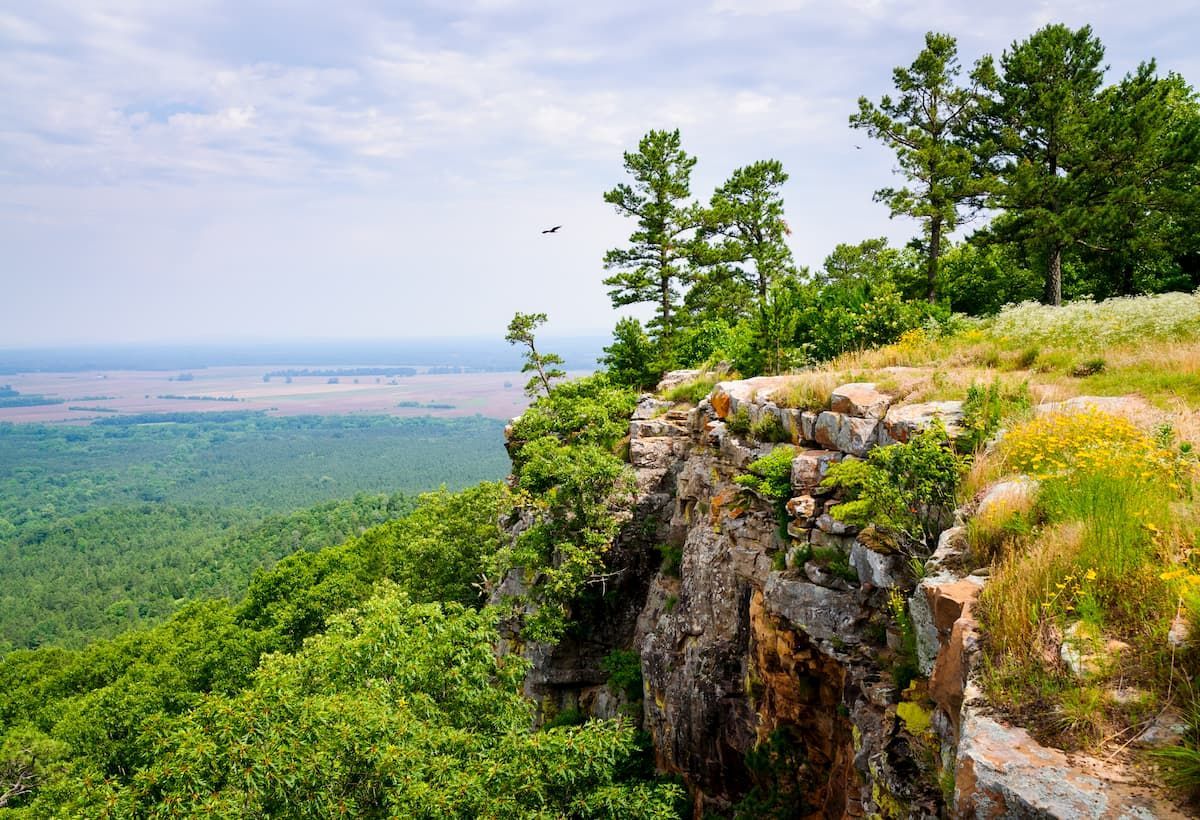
776 672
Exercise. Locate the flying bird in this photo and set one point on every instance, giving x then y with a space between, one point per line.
552 230
859 147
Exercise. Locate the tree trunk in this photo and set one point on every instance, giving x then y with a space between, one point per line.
935 250
1054 276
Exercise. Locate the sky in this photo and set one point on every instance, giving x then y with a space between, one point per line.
239 170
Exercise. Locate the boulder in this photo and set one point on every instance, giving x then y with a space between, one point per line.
823 577
651 453
655 428
824 614
876 569
903 422
649 407
1012 494
827 523
860 400
802 506
810 466
1003 772
847 434
674 378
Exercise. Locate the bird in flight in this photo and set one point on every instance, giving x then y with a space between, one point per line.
552 230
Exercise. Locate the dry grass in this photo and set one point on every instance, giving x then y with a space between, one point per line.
1018 631
1000 529
809 390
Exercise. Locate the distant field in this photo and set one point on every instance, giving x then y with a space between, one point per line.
90 395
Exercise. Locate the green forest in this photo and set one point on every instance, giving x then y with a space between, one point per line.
340 659
104 526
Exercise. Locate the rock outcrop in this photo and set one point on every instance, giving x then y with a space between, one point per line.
776 630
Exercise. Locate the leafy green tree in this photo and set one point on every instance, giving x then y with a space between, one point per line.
543 365
1139 179
925 126
654 266
978 279
1034 136
572 483
742 247
399 710
631 358
872 261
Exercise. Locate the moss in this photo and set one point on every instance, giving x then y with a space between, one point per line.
917 719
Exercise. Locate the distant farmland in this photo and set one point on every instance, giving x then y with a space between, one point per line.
89 395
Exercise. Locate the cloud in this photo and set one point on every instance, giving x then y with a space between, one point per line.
373 141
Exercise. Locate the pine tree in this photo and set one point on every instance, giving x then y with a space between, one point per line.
654 266
543 365
1035 138
742 245
925 126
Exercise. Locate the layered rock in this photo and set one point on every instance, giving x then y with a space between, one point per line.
780 634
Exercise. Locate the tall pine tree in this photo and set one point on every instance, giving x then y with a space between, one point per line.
654 265
1035 138
924 125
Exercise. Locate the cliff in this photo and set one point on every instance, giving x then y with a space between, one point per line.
793 665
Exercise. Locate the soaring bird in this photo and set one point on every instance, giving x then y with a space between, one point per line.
552 230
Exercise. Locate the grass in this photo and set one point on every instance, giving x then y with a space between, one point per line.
1148 345
1108 542
694 391
809 390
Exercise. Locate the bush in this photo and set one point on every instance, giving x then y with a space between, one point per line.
906 490
738 422
771 475
1089 367
631 358
624 670
984 410
769 429
672 559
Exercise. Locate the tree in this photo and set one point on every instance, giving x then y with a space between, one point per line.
630 358
925 125
871 261
520 331
653 267
1139 179
1035 138
742 237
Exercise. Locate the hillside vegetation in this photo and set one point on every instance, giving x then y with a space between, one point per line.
106 526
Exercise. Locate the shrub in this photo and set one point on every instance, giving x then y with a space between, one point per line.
1088 367
769 429
631 359
836 561
672 559
624 670
906 489
738 422
771 475
1027 358
984 410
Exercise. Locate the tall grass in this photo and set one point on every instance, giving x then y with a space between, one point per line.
1113 520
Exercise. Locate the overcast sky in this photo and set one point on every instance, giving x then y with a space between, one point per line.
229 169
